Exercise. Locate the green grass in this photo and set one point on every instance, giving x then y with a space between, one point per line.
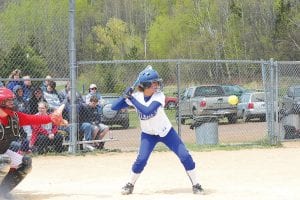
134 121
260 144
263 144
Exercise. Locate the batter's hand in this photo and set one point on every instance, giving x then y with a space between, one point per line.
128 92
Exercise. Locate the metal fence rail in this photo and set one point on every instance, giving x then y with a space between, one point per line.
112 77
177 75
45 52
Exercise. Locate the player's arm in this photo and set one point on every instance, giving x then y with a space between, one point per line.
146 110
122 101
119 104
26 119
55 117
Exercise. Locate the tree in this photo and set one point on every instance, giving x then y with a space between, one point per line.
113 41
44 23
25 59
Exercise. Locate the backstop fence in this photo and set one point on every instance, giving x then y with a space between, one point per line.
39 51
111 78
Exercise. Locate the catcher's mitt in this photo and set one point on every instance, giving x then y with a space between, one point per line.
2 113
57 118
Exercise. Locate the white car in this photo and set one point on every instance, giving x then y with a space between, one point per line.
252 105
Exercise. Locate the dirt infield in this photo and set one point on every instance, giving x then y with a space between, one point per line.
243 174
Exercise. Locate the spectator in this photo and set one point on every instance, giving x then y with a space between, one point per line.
19 102
32 107
51 96
63 94
85 129
27 88
93 92
45 135
15 75
45 83
91 114
1 84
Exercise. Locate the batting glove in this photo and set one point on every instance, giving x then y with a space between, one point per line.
127 94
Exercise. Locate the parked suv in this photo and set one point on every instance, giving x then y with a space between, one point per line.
252 105
205 101
112 117
234 90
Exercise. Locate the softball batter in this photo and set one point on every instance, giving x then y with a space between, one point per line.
156 127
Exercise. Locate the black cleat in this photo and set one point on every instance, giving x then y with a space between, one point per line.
197 189
127 189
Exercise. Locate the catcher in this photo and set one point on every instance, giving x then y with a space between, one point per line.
13 166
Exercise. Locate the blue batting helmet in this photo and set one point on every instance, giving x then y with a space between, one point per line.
148 76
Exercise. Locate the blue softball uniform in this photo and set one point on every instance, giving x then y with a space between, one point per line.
156 127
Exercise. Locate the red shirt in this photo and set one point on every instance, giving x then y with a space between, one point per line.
39 129
25 119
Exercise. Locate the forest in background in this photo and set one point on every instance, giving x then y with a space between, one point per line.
151 29
34 33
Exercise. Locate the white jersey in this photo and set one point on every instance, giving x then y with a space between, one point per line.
156 123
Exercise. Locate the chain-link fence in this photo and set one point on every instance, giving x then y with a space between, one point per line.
105 128
38 64
287 83
235 77
34 45
34 40
113 77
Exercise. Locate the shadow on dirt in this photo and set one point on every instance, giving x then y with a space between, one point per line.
38 196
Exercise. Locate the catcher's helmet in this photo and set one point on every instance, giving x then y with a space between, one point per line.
5 94
148 76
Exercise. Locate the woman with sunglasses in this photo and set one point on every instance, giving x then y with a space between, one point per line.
156 127
93 92
37 96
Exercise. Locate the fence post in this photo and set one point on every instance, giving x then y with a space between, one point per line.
276 104
72 57
272 103
178 97
268 79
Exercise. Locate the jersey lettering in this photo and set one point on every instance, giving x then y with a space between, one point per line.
145 117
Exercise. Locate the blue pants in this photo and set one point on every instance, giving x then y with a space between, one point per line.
87 129
171 140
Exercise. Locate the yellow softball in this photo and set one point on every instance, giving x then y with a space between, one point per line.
233 100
